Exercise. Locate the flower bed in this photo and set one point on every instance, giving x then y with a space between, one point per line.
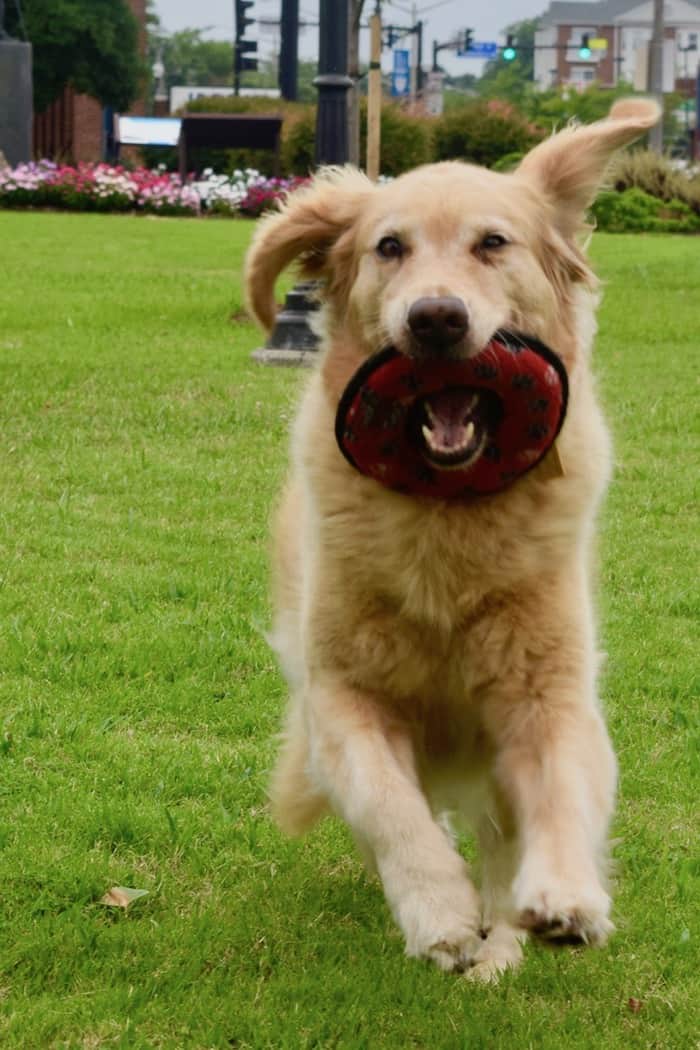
100 187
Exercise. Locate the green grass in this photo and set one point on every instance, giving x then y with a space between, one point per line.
141 450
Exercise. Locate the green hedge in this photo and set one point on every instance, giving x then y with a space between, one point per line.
634 211
483 132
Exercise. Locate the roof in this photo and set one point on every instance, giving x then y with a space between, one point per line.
598 13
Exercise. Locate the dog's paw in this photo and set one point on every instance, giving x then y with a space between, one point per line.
559 918
436 930
453 956
499 951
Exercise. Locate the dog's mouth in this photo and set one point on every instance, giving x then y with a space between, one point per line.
453 425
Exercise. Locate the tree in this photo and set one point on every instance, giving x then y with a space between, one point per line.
189 58
89 44
511 80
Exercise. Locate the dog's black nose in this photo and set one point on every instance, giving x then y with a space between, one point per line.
438 321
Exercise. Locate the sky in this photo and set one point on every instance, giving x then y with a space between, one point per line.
442 18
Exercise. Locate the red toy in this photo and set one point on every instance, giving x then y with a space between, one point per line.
453 429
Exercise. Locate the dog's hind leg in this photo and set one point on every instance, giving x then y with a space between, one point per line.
296 804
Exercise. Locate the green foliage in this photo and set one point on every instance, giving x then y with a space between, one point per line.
482 131
634 211
90 44
557 106
655 175
406 140
299 143
510 80
508 162
190 59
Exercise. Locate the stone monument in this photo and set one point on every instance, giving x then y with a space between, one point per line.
15 96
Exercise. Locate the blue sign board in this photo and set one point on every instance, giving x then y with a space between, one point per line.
401 74
480 49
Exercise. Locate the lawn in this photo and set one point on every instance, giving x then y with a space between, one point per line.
141 450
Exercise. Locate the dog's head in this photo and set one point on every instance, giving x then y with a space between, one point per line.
437 261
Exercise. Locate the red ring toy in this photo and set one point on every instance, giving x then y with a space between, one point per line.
454 429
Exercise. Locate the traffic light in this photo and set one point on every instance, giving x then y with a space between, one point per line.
585 50
242 20
468 40
243 63
509 52
243 48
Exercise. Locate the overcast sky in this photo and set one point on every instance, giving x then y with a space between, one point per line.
442 19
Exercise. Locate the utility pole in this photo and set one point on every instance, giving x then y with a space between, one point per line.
656 74
289 49
374 100
354 14
414 55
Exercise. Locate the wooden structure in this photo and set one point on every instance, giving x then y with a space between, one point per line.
228 131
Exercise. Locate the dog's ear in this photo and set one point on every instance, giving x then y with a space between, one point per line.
569 167
306 227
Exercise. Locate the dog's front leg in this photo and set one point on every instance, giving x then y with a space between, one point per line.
362 759
556 770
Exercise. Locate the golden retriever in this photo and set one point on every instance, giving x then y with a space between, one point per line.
441 655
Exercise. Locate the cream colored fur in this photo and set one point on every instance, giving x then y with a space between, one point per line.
441 657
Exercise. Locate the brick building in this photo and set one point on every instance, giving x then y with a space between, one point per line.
627 27
73 127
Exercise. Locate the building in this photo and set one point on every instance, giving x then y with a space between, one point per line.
75 127
626 26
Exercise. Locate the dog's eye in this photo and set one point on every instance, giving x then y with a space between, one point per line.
390 248
491 241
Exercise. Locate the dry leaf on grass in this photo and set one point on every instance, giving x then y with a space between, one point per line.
122 896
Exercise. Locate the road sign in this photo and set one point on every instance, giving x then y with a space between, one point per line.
401 75
480 49
598 43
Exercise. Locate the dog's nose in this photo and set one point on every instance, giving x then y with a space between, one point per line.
438 321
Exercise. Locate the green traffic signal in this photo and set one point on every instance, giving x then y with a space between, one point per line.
584 51
509 54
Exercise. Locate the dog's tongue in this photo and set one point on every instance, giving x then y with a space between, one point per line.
449 414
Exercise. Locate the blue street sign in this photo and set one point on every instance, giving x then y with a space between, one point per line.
480 49
400 75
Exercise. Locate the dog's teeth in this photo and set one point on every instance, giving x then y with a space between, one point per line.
427 434
429 412
469 434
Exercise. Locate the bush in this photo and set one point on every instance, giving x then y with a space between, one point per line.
644 170
482 132
508 162
634 211
299 143
406 139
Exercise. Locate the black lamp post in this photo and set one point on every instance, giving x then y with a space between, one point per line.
333 82
292 342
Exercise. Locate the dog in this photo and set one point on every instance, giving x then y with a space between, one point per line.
441 654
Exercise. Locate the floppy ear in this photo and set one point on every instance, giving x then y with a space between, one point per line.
569 167
307 225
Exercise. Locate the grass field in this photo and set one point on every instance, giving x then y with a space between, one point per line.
138 702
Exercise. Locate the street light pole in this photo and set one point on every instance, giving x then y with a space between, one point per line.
333 84
292 341
656 74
